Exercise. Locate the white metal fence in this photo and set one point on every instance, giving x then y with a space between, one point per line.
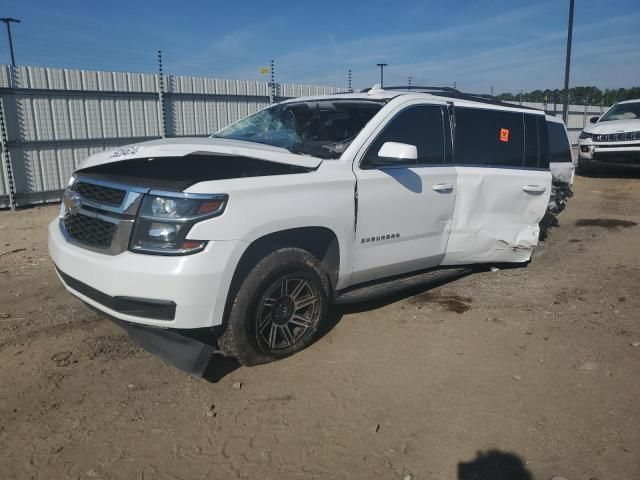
54 118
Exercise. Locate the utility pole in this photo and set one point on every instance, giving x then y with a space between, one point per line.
565 100
8 21
381 65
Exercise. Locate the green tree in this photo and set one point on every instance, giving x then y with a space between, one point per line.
582 95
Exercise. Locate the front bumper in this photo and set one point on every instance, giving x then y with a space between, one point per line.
619 154
188 291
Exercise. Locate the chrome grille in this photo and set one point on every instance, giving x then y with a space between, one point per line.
99 215
617 137
99 193
90 231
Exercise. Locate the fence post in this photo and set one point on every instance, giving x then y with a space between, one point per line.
272 95
6 157
163 120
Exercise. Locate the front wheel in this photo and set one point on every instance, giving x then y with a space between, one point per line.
277 309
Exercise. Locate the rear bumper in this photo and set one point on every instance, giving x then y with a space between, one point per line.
173 292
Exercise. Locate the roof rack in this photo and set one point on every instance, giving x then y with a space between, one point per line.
419 88
455 93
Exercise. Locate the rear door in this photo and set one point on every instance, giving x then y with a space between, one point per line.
504 185
404 210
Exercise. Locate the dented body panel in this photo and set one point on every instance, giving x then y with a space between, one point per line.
495 218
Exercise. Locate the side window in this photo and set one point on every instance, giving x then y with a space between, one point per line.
531 145
543 142
559 148
488 137
420 126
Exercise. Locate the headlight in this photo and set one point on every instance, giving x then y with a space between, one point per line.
165 219
584 135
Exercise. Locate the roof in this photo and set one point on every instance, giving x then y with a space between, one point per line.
435 93
635 100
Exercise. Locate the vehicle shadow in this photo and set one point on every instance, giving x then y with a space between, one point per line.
610 172
338 311
405 177
494 465
220 366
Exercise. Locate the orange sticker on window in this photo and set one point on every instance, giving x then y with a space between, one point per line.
504 134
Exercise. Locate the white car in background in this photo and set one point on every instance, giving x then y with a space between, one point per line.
613 139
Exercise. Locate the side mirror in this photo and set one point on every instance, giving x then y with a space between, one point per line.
594 119
398 152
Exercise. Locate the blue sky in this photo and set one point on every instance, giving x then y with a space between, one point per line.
512 44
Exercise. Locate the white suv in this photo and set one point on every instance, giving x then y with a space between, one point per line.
259 228
612 140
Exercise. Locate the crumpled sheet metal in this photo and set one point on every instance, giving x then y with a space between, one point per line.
495 220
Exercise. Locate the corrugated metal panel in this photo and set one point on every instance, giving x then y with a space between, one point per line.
57 117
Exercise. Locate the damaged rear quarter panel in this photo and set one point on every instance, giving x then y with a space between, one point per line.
494 220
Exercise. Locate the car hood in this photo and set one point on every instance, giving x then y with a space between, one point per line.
614 126
180 147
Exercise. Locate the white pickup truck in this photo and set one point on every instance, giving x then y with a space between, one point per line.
255 231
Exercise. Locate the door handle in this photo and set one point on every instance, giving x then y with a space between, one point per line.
443 187
534 188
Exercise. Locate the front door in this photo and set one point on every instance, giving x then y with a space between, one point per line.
404 209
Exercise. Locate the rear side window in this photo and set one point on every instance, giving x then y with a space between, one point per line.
488 137
421 126
559 148
543 142
532 142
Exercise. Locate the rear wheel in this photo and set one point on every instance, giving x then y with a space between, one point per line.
277 309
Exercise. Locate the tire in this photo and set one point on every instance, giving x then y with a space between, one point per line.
277 309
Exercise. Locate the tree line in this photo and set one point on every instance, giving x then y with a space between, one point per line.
577 96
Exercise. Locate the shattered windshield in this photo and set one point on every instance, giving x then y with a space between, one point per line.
623 111
321 128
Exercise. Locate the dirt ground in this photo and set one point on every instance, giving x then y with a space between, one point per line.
533 371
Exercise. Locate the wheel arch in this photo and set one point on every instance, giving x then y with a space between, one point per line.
321 242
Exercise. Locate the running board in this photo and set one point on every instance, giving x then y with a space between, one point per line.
391 287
